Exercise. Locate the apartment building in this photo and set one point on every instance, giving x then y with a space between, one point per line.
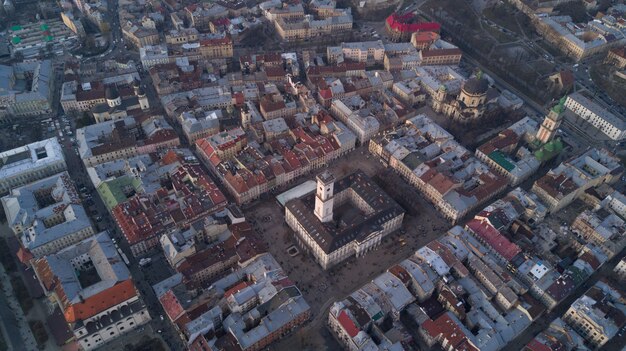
595 315
30 163
276 106
584 108
26 89
308 28
508 153
157 210
617 56
580 40
92 286
124 138
140 36
224 145
247 174
208 98
46 215
423 153
362 123
602 228
409 92
369 52
181 36
198 124
253 306
563 184
201 14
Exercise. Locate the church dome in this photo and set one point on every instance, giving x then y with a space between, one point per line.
476 86
111 93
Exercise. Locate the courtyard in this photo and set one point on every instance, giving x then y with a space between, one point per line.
321 288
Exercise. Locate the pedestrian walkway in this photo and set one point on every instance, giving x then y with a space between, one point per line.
15 323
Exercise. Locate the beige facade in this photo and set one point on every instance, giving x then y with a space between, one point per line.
140 37
68 239
587 327
181 36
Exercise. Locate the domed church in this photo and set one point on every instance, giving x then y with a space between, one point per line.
118 106
470 105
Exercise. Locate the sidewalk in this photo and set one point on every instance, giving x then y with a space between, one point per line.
21 337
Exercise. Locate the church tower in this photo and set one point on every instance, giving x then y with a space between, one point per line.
324 198
552 122
143 99
439 99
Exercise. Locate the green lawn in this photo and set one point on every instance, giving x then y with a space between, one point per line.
504 16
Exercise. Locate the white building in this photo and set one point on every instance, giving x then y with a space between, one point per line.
26 88
608 123
199 124
370 215
351 112
152 55
46 215
29 163
620 269
362 51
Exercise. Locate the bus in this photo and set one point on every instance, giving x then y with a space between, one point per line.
123 257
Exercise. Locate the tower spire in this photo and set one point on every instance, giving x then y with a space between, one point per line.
324 200
551 122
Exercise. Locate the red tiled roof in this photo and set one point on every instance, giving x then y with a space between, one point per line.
221 21
441 52
215 41
24 255
535 345
347 324
169 158
171 305
101 301
426 37
567 78
446 328
402 23
442 183
493 238
275 71
326 94
620 51
503 140
235 289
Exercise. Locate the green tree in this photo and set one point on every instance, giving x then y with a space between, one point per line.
18 56
575 9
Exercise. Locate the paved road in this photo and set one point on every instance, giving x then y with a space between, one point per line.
13 317
10 323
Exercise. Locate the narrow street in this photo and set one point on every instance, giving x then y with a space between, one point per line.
14 322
